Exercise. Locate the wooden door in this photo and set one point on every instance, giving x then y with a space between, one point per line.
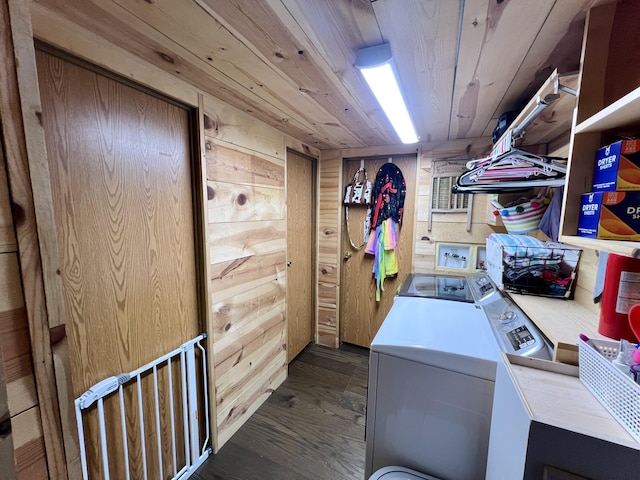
120 168
360 314
300 252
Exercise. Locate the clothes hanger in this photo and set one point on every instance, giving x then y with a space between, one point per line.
516 156
512 171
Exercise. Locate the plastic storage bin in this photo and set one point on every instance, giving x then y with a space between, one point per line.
617 392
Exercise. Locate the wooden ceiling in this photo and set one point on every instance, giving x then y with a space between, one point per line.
290 62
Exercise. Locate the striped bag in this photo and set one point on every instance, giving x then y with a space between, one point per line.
523 215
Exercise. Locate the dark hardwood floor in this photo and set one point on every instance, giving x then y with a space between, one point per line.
311 428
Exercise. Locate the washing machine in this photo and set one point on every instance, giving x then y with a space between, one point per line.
399 473
432 369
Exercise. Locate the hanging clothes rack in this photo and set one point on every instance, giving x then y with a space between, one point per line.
511 170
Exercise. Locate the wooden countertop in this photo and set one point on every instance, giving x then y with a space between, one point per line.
561 400
561 321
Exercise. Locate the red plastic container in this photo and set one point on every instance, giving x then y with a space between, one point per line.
621 291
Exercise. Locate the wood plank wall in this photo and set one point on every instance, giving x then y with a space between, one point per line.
245 174
24 334
450 227
329 231
244 162
22 450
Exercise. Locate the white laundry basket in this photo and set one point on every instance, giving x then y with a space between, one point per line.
399 473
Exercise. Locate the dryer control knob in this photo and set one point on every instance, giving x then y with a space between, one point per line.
507 316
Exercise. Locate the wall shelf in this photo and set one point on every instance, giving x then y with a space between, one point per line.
622 113
608 105
629 249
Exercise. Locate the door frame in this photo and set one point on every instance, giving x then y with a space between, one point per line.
27 169
314 248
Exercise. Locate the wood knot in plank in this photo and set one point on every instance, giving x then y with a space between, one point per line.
165 57
238 358
241 199
210 193
209 123
18 213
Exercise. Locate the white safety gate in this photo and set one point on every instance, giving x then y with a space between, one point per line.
186 451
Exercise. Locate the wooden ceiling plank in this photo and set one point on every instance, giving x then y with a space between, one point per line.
423 38
289 63
495 39
557 47
465 94
266 31
208 40
173 20
337 30
145 42
51 23
334 31
51 28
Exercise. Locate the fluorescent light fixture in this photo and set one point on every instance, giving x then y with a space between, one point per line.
376 65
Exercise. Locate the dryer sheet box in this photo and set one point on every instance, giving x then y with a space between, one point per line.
610 216
617 167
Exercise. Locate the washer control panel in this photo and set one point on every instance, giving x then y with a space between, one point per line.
482 288
514 331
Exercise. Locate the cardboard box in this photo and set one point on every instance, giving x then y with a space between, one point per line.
617 167
610 216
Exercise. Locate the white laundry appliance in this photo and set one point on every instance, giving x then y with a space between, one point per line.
432 373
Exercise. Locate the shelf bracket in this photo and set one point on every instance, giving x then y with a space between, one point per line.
541 103
518 132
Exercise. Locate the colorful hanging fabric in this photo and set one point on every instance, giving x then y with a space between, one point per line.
383 246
